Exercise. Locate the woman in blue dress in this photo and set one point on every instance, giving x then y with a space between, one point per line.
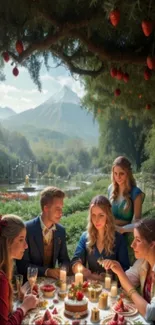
99 241
126 198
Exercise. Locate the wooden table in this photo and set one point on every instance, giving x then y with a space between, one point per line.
28 320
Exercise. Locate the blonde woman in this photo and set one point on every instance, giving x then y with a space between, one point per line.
99 241
12 246
126 198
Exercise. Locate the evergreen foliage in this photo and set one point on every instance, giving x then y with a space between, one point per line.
80 35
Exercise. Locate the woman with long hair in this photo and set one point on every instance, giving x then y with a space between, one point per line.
142 273
12 246
100 240
126 198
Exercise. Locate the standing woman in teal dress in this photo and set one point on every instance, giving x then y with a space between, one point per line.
126 198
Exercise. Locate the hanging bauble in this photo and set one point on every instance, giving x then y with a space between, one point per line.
148 106
126 77
15 71
19 47
150 62
6 56
147 74
117 92
147 27
113 72
119 75
114 17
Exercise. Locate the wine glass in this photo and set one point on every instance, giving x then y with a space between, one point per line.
19 283
32 273
101 261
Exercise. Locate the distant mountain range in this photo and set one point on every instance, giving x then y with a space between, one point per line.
6 112
61 113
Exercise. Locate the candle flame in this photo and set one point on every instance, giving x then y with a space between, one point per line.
80 268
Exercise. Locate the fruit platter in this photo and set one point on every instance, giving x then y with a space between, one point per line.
115 319
123 308
48 290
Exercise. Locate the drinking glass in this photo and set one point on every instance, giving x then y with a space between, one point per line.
19 283
32 273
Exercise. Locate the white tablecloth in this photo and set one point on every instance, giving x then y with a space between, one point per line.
29 319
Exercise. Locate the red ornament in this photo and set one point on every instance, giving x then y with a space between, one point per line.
147 27
150 62
126 77
113 72
148 106
119 75
6 56
147 74
117 92
19 47
15 71
114 17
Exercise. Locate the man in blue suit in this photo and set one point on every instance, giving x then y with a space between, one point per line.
46 238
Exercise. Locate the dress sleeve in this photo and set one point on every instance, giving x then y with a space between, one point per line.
80 251
6 318
109 190
135 192
133 273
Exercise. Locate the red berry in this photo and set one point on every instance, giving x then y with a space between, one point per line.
55 312
19 47
114 17
119 75
47 315
15 71
85 284
150 62
79 295
126 77
147 74
148 106
147 27
6 56
39 321
117 92
113 72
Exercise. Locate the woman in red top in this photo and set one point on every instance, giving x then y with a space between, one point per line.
12 246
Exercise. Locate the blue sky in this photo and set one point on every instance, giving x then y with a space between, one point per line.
20 93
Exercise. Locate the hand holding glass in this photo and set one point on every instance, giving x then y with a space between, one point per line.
19 282
32 273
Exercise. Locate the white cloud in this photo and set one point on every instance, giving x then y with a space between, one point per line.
74 84
5 89
47 77
26 100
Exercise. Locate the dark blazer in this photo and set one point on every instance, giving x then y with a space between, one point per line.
34 255
89 259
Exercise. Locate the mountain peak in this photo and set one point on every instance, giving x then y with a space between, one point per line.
65 95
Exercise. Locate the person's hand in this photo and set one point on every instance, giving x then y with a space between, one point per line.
119 229
97 277
86 273
113 265
29 302
54 273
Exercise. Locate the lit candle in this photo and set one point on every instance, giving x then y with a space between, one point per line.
114 290
107 282
63 286
79 277
63 275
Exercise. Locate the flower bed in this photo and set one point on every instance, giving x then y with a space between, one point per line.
4 196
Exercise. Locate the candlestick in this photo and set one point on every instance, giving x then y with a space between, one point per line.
108 282
114 289
95 315
103 300
78 278
63 286
63 275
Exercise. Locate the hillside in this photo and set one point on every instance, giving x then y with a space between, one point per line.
6 112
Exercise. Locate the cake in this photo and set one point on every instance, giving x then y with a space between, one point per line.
75 304
117 320
48 290
120 306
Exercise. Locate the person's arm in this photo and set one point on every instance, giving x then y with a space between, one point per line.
63 258
139 301
6 319
79 258
137 208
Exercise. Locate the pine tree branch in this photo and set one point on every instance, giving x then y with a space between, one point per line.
67 60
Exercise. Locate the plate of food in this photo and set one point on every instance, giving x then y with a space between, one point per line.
115 319
48 290
124 308
48 318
